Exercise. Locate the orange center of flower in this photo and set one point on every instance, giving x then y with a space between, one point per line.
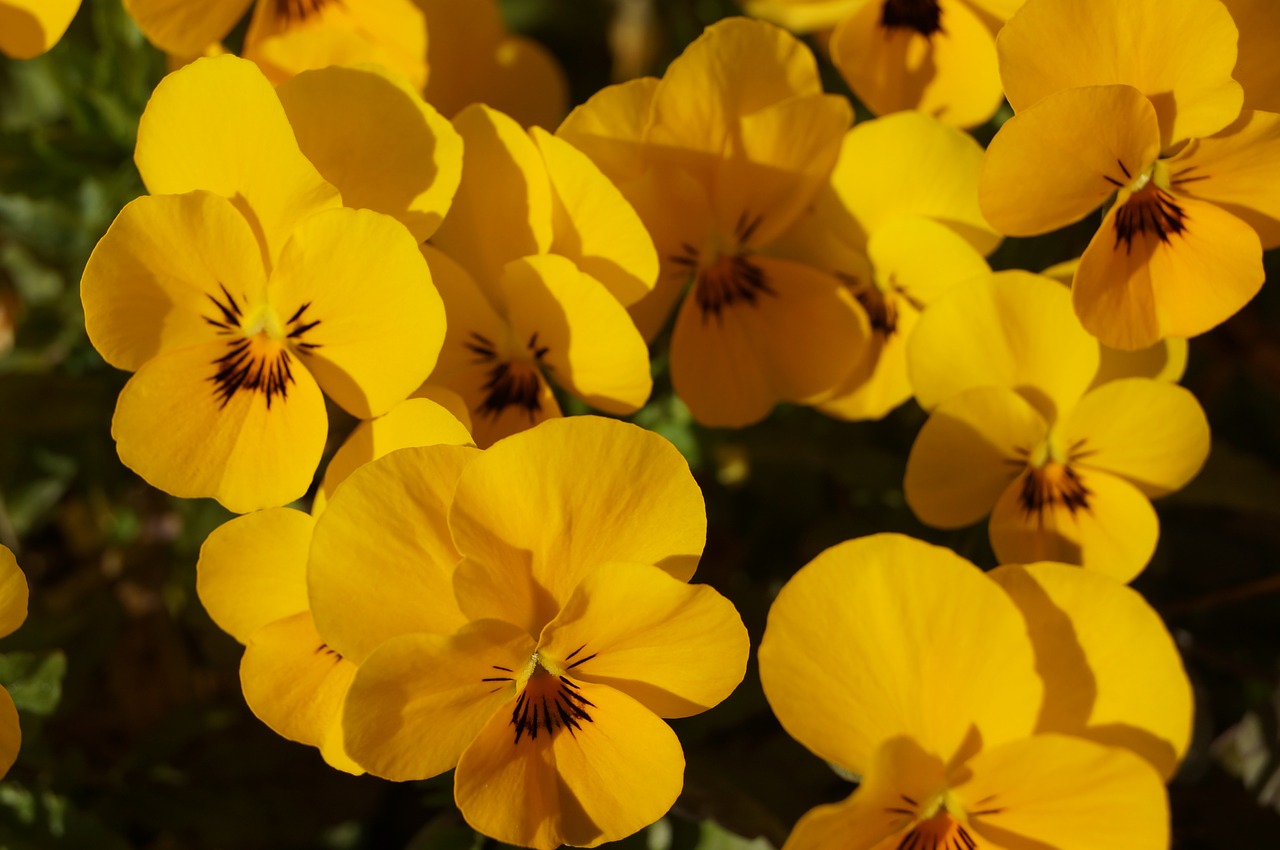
1152 210
1053 484
940 832
923 16
726 277
256 359
550 700
513 382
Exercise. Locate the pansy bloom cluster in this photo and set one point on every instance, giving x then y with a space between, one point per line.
389 301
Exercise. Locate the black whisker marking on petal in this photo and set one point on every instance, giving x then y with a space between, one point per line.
582 661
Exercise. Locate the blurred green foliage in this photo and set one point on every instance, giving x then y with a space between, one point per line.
136 734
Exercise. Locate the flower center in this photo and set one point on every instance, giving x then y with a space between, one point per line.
511 382
923 16
1150 209
881 307
257 356
940 832
725 275
1052 484
549 699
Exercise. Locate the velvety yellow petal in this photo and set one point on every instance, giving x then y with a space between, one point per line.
253 451
10 732
967 453
616 775
1239 170
677 648
883 629
420 699
367 315
1179 55
1015 330
478 346
568 496
1130 294
503 209
185 28
253 570
448 399
801 15
594 225
1256 67
152 281
217 125
13 593
576 330
736 67
911 164
479 63
30 27
875 815
609 128
952 74
1114 534
389 33
296 684
1153 434
1057 161
373 137
793 338
1065 792
389 517
413 422
1111 669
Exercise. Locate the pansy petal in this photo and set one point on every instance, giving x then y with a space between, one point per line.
1057 161
1129 294
185 29
607 780
1115 533
30 27
156 280
520 504
609 128
1239 170
1111 670
296 684
503 209
951 74
252 450
1016 330
794 338
912 164
1065 792
801 15
677 648
13 593
253 570
10 732
420 700
218 125
1256 67
574 328
403 584
413 422
1178 55
736 67
1151 433
885 629
363 306
1164 361
595 227
373 137
967 453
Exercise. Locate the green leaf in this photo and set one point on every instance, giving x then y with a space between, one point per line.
34 680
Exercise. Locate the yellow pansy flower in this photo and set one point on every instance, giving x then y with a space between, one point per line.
722 157
933 56
474 59
1066 472
13 611
30 27
286 37
1193 178
236 304
1256 69
535 262
573 543
901 226
251 578
974 738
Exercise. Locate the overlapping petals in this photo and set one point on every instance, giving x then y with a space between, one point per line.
30 27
